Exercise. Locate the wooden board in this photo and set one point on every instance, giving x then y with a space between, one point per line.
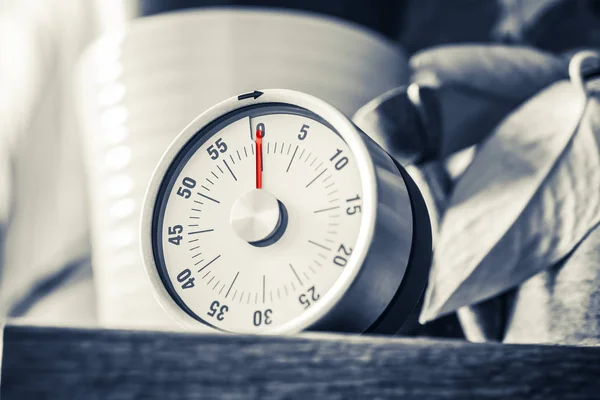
108 364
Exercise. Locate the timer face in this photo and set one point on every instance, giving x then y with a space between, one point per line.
257 217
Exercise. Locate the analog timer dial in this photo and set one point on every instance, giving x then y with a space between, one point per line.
263 212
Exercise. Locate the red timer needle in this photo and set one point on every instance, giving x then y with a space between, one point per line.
259 161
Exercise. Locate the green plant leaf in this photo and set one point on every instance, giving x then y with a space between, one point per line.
529 197
478 85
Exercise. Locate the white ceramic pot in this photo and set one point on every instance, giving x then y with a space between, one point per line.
138 88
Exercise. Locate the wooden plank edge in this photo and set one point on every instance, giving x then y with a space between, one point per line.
42 362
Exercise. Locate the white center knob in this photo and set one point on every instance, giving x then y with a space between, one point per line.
255 216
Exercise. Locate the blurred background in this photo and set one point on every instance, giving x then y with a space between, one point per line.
92 92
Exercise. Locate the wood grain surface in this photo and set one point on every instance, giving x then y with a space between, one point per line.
109 364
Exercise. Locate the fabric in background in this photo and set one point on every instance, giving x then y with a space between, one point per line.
41 179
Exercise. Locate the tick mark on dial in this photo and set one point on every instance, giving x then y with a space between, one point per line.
318 263
318 166
203 231
313 161
296 274
222 287
264 284
334 200
205 188
209 198
305 275
192 241
232 160
245 151
198 202
210 262
301 154
194 248
330 185
332 192
230 286
216 284
238 153
289 148
326 209
232 174
326 179
292 160
275 151
196 255
233 298
194 217
215 175
211 279
209 181
198 262
323 256
312 269
317 177
195 209
220 169
192 225
319 245
206 274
